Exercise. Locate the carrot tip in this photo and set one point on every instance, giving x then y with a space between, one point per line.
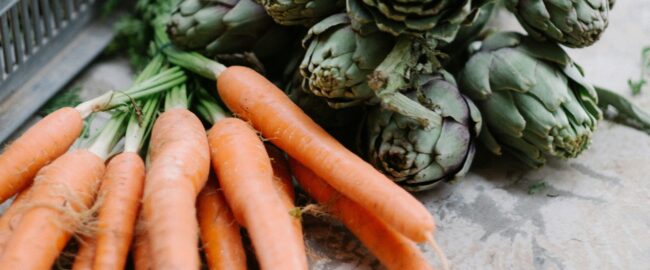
438 251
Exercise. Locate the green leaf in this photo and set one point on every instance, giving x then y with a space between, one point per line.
537 187
66 98
637 85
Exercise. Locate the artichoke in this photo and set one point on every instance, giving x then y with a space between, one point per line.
415 157
236 32
573 23
339 60
534 98
344 124
218 27
456 51
318 109
301 12
441 18
349 67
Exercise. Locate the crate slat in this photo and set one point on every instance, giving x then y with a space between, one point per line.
19 50
7 43
28 31
47 18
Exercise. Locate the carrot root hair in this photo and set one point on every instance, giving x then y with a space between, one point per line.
444 263
80 223
316 210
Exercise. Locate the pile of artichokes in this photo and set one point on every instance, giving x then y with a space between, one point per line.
413 86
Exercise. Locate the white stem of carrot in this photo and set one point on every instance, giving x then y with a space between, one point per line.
137 131
103 145
90 106
439 253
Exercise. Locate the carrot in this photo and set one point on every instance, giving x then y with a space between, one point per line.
121 191
86 254
11 217
252 97
284 186
65 187
281 175
180 163
37 147
246 177
391 248
61 194
142 258
220 233
54 134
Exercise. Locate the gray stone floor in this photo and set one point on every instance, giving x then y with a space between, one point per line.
593 213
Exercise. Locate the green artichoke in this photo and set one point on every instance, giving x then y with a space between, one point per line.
573 23
301 12
236 32
418 158
534 98
339 60
318 109
440 18
457 52
218 27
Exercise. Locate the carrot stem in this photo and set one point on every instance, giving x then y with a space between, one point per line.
140 125
103 144
163 81
207 106
176 98
154 67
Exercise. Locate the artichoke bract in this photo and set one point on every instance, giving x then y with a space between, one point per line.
441 18
573 23
418 158
534 99
301 12
218 27
318 109
339 60
457 50
236 32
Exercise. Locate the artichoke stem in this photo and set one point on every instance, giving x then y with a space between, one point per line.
628 113
403 105
389 75
392 75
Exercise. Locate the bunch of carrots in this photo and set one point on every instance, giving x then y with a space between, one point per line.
192 189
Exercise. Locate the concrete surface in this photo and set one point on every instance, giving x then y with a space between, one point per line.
590 213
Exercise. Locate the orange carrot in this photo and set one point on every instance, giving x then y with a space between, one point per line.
121 191
284 186
281 175
142 259
252 97
220 233
12 216
86 254
38 146
246 177
180 163
65 187
391 248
